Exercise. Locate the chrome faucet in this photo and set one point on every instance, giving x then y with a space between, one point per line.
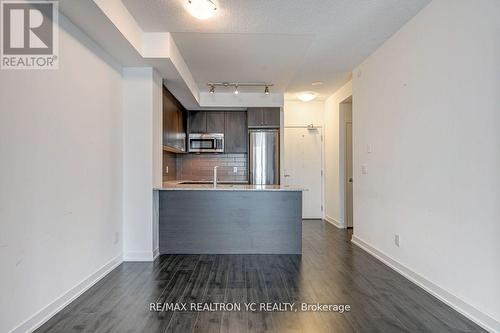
215 175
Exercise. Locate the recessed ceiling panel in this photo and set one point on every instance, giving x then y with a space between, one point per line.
337 34
243 57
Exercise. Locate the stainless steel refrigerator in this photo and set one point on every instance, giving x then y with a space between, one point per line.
264 157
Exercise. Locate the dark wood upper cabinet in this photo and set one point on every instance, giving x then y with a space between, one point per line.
206 122
174 131
254 117
264 117
215 122
236 133
271 117
197 122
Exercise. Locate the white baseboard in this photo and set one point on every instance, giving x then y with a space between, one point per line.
42 316
482 319
140 256
333 221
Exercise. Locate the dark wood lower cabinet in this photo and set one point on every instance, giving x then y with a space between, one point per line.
331 270
230 222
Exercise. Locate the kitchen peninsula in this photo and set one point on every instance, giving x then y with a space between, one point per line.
230 219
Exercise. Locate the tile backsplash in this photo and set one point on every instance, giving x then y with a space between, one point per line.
170 160
201 166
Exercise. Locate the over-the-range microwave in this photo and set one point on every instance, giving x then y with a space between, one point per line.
206 143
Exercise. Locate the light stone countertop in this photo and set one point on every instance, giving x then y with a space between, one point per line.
178 186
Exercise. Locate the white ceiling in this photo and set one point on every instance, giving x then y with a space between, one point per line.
289 42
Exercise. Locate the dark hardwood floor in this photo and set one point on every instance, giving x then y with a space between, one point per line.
330 271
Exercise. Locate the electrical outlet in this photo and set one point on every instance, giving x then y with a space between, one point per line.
396 240
235 169
166 169
117 237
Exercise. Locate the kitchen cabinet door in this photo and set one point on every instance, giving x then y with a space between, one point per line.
173 122
215 121
264 117
197 122
255 117
236 134
181 130
271 117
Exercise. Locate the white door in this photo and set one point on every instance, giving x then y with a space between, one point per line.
303 167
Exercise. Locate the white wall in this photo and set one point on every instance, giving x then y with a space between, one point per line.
141 165
61 179
334 156
428 100
157 129
298 113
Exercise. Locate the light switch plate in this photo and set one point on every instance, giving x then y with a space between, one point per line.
235 169
364 169
166 169
369 148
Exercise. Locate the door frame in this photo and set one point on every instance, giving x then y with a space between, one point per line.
346 177
343 119
322 149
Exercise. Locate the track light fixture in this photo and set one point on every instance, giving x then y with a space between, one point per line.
237 85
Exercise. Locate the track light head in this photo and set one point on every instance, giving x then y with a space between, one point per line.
236 92
266 90
212 89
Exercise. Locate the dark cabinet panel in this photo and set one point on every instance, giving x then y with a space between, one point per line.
215 122
271 117
181 123
236 134
206 122
254 117
263 117
174 133
197 122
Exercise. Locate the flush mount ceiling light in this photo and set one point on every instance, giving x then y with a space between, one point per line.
238 85
201 9
317 83
307 96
